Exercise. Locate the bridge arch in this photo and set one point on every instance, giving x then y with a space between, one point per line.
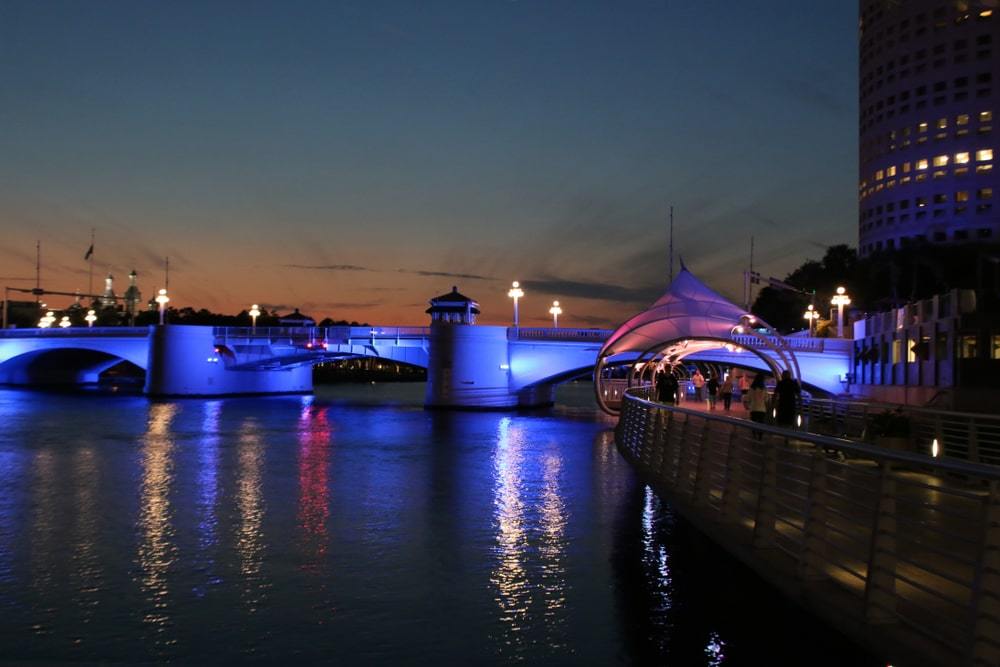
70 365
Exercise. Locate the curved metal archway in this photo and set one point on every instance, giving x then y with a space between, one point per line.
790 364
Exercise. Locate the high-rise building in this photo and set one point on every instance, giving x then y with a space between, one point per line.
929 79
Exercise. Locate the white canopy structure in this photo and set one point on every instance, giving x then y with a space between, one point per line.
690 317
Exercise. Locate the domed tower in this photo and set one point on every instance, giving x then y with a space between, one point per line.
132 298
453 308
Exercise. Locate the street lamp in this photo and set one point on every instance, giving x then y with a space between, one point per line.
47 320
90 318
840 300
515 293
162 299
555 311
812 316
254 314
64 322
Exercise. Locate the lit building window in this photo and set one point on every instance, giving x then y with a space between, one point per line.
984 168
962 119
906 167
967 347
879 175
921 164
923 126
961 158
891 171
940 160
942 123
985 14
985 116
984 193
962 195
921 202
984 155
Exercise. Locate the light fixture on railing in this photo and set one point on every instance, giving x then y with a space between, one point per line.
162 300
555 311
935 448
811 315
254 314
515 292
840 300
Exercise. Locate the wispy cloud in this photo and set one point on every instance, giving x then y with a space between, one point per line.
642 294
328 267
445 274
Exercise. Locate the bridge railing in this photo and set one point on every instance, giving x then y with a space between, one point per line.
544 333
970 436
318 335
53 332
905 545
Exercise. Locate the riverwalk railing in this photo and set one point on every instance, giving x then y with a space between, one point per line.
899 550
970 436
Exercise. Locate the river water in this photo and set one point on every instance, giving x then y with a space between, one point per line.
355 527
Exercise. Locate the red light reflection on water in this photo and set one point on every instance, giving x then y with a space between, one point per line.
314 501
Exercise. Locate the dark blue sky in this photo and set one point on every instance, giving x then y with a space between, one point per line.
345 157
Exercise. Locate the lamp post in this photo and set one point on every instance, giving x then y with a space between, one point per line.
812 316
162 299
90 318
515 293
840 300
47 320
555 311
64 322
254 314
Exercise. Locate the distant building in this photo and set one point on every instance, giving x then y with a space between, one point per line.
132 298
944 350
453 308
109 299
296 319
929 77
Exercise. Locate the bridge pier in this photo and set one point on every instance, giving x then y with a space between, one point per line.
469 367
183 362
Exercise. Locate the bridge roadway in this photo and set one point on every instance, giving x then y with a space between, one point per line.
898 550
468 366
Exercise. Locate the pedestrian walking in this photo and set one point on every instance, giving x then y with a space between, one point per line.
712 386
786 395
727 392
757 402
698 382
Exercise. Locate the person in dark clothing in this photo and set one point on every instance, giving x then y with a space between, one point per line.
713 391
666 386
786 395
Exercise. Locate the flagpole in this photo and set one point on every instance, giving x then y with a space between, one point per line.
38 270
90 270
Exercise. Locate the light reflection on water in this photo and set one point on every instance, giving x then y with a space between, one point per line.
156 550
250 545
509 576
327 529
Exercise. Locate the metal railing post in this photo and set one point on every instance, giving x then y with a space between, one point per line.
731 485
767 489
702 475
985 649
812 559
880 584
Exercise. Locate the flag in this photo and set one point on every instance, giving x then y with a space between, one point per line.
90 251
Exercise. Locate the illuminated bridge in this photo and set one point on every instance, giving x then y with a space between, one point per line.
468 366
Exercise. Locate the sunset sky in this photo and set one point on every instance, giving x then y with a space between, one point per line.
353 159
